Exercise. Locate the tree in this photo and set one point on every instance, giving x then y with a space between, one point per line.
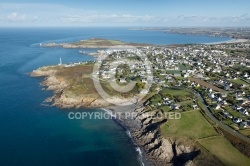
140 85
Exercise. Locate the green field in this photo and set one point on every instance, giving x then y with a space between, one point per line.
224 151
245 132
173 72
191 125
165 108
175 92
238 81
182 67
185 102
194 126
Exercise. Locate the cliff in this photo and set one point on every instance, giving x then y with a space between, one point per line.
72 88
161 151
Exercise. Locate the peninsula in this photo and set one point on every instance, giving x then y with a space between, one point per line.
94 43
207 84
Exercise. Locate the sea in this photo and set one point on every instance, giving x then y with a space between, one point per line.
33 133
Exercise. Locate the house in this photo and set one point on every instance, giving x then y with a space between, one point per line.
165 98
144 80
226 115
177 74
244 111
195 107
167 102
236 107
211 95
223 94
122 80
210 90
219 99
175 106
186 75
244 124
144 91
227 87
105 76
237 120
224 102
246 75
216 106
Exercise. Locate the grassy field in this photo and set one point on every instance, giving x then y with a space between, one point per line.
78 78
175 92
173 72
191 125
185 102
224 151
80 82
182 67
238 81
245 132
165 108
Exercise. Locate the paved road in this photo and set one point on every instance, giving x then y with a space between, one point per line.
219 123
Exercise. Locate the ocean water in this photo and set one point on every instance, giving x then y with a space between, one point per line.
34 134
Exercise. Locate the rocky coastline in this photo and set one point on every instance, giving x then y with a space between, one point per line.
145 130
157 150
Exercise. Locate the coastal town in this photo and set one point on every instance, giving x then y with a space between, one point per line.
125 83
207 83
219 73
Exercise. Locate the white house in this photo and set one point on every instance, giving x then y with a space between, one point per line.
122 80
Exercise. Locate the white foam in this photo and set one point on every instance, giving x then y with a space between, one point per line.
129 134
109 112
140 155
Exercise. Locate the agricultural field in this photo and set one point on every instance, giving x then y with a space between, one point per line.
205 84
182 127
238 81
174 92
182 67
206 137
224 151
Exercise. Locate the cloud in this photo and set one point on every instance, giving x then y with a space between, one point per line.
62 15
14 17
112 18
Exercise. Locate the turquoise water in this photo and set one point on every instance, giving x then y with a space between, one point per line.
33 134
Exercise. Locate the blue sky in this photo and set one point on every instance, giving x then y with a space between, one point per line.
124 13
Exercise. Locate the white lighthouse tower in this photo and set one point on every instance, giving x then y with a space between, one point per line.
60 62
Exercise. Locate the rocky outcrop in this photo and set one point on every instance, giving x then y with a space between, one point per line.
162 151
144 126
65 99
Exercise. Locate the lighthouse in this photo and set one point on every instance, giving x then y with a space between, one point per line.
60 63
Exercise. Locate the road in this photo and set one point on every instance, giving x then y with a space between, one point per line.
219 123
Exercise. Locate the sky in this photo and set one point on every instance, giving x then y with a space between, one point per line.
149 13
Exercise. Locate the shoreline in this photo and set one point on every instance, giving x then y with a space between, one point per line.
231 41
144 127
141 156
